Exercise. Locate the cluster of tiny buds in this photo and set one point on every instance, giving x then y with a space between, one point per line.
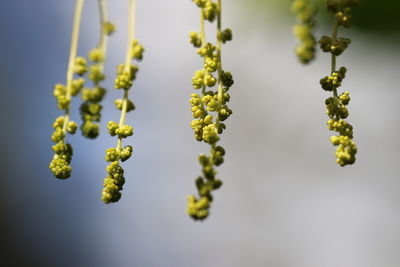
90 111
113 183
203 123
303 31
198 208
342 10
60 164
124 77
210 101
335 47
123 132
91 108
108 28
60 92
336 106
336 109
333 81
209 9
115 180
209 107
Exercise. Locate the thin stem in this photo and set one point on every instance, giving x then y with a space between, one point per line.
127 67
103 36
72 56
334 36
219 27
203 41
131 34
202 31
333 58
219 54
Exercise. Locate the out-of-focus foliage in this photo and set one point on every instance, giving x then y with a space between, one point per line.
380 17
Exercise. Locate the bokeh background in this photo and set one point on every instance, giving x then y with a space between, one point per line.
284 202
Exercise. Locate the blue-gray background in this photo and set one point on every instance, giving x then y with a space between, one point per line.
284 203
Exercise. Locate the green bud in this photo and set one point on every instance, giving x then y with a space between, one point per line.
126 153
58 135
60 168
112 127
226 79
195 39
59 123
63 102
130 106
108 28
226 35
210 134
203 159
59 90
137 50
95 74
112 155
90 129
96 55
76 86
211 64
210 11
207 50
80 67
71 127
124 131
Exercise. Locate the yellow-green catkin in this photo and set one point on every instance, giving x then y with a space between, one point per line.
126 74
303 31
92 97
336 105
60 164
209 106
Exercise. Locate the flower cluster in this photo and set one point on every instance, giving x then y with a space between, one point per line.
126 74
209 107
63 125
336 105
303 30
91 107
60 164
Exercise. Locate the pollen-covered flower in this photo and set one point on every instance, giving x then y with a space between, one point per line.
303 31
209 107
63 125
91 107
126 74
336 105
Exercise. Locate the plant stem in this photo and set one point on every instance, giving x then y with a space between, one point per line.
202 31
103 36
72 57
219 55
131 34
127 67
333 57
203 42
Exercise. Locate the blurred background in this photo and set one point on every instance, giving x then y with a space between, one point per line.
284 202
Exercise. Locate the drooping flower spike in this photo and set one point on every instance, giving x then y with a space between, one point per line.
91 107
336 104
209 107
60 164
126 74
303 31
